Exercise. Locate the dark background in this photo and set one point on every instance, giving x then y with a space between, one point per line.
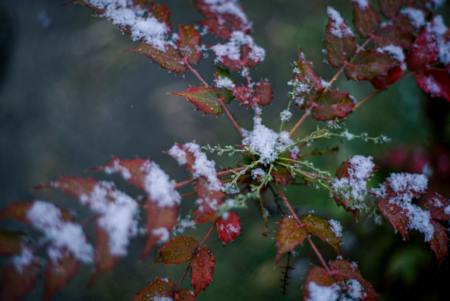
72 95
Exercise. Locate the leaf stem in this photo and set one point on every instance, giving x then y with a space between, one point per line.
299 123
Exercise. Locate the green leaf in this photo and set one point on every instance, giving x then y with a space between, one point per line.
177 250
206 99
321 229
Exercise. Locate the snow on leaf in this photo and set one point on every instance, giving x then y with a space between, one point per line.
397 32
58 273
160 287
184 295
104 260
436 204
332 104
435 82
365 18
228 227
396 216
339 39
208 202
322 229
177 250
423 52
263 93
289 235
202 266
189 43
169 59
259 94
205 99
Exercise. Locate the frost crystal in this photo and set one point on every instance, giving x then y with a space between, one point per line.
339 28
285 115
159 186
230 7
178 154
361 3
47 218
323 293
141 24
117 215
416 16
232 49
23 259
224 82
265 142
354 186
394 51
336 227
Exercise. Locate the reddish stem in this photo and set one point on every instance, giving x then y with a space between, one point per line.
221 173
299 123
207 235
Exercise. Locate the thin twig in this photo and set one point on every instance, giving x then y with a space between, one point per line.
299 123
230 116
366 99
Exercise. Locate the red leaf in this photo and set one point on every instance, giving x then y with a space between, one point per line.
202 267
184 295
332 104
16 211
289 235
400 32
158 218
228 227
104 260
205 99
161 13
340 41
369 64
435 82
14 284
158 288
263 93
130 169
10 243
189 43
423 52
177 250
435 204
306 83
208 202
396 216
169 59
390 8
382 82
366 19
439 242
58 274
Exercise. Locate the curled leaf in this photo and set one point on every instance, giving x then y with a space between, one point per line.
228 227
169 59
322 229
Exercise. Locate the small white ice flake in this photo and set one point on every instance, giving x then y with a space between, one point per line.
336 227
47 218
447 210
339 28
161 298
432 86
232 49
23 259
323 293
159 186
416 16
162 233
285 115
258 172
361 3
204 167
230 7
224 82
117 167
265 142
394 51
178 154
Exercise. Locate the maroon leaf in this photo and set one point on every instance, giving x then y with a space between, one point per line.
396 216
184 295
202 267
228 227
263 93
16 211
205 99
208 202
177 250
131 170
400 32
189 43
306 83
382 82
423 52
340 41
369 64
58 274
435 82
289 235
436 204
162 13
104 260
15 284
332 104
390 8
365 18
439 242
169 59
158 288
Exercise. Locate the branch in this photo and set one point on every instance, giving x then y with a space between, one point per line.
299 123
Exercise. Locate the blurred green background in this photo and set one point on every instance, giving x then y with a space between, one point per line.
72 95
